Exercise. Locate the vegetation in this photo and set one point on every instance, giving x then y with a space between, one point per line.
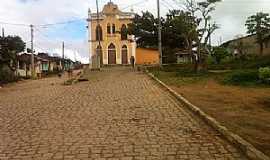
226 73
219 53
259 24
7 75
10 46
203 27
264 74
242 77
249 62
181 29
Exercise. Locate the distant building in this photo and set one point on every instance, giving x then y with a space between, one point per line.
116 45
247 45
24 65
44 64
183 56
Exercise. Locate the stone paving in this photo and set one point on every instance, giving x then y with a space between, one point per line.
118 115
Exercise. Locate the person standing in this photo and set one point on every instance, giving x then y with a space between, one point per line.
132 61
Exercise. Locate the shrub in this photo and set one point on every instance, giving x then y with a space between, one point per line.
242 77
6 75
264 73
219 53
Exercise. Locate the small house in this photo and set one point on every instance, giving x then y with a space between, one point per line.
183 56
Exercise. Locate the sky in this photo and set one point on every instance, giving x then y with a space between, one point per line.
230 15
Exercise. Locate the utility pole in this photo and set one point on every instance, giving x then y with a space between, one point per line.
32 52
99 38
63 55
159 33
210 40
3 32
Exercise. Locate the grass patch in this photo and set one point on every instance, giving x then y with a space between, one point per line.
236 64
237 98
181 77
179 74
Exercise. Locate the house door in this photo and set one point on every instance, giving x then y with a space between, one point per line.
111 54
124 55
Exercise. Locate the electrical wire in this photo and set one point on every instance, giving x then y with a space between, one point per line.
134 4
44 25
14 24
165 5
61 23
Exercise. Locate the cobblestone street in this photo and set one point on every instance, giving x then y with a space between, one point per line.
118 114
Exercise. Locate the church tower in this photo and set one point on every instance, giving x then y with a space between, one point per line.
116 46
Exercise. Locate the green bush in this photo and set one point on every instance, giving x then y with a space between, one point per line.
219 53
264 74
242 77
6 75
251 62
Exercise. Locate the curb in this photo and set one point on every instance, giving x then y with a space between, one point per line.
248 149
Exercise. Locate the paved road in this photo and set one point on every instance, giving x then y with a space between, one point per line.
118 114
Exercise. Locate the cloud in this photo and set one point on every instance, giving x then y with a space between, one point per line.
231 16
43 12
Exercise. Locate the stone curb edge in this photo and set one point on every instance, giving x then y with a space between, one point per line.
248 149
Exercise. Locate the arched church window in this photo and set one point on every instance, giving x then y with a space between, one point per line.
99 35
113 29
108 28
124 32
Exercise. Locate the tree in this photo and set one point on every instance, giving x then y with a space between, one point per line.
10 47
178 29
259 24
145 29
175 27
219 53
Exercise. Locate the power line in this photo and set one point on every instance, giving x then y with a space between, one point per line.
61 23
44 25
165 5
179 5
39 47
45 36
48 38
168 4
14 24
134 4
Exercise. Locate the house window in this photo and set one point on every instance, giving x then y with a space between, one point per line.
99 33
113 29
124 32
109 29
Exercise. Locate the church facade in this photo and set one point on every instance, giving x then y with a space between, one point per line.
108 36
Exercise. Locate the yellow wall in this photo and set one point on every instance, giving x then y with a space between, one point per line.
112 18
147 56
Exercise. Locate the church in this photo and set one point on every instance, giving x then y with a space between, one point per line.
108 36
